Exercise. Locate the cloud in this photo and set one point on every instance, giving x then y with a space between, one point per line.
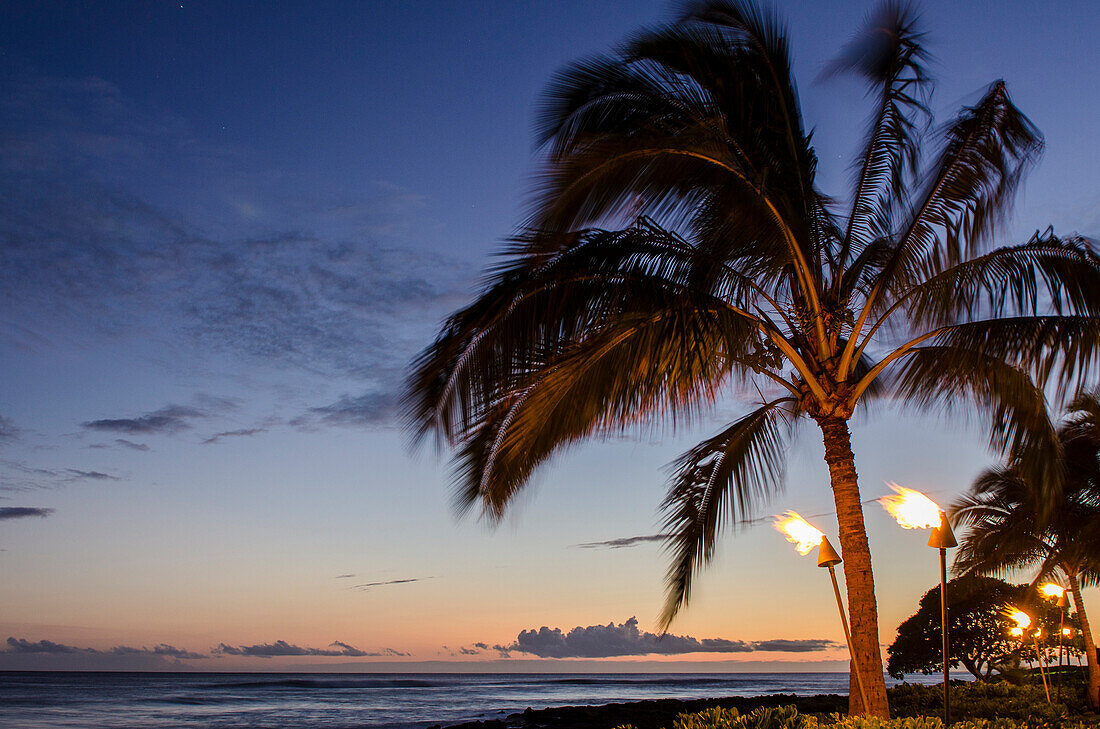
623 542
92 475
344 577
161 650
8 431
282 648
604 641
99 238
45 655
368 410
120 443
167 420
794 646
234 434
28 478
22 645
23 512
625 639
369 585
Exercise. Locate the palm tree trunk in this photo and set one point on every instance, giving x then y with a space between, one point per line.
860 583
1093 693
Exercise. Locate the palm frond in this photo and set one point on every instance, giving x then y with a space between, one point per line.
986 151
888 54
716 483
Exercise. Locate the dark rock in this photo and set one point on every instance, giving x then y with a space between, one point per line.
650 714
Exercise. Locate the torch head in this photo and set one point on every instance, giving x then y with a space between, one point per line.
826 555
942 537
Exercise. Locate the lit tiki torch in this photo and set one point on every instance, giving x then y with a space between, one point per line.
914 510
1051 591
805 538
1023 622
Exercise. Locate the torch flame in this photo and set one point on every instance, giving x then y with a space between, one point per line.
1022 619
912 509
798 532
1051 590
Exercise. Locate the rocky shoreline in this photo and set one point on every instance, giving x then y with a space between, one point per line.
648 714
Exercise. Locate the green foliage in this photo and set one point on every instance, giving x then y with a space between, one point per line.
772 717
981 706
981 700
716 718
980 640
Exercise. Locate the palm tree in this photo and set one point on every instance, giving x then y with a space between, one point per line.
1008 530
678 246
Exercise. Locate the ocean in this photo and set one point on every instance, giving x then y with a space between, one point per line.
41 700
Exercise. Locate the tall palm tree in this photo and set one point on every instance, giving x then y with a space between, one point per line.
678 245
1009 532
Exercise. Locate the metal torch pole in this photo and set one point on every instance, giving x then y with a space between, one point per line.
942 538
848 637
946 652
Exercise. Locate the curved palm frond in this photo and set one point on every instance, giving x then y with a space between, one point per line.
888 54
987 150
715 483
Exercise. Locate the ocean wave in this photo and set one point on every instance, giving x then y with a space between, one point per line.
327 683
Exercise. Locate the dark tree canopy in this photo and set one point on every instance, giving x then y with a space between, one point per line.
979 629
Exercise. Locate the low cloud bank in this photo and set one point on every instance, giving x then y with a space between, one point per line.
625 639
282 648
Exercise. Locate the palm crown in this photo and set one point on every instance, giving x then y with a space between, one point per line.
678 243
1009 531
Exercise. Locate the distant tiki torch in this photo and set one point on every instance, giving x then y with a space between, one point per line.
1053 591
805 537
914 510
1023 622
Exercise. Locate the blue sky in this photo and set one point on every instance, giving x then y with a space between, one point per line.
225 230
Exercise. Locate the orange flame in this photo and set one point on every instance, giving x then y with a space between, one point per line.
1051 590
798 532
911 509
1022 619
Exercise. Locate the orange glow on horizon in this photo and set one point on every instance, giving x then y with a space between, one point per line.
911 509
799 532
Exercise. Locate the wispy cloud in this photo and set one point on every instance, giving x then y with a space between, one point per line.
625 639
794 646
368 410
23 512
344 577
371 585
8 431
91 475
243 266
243 432
623 542
282 648
19 476
169 419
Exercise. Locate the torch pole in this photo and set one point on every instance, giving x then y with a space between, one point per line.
1046 687
942 538
848 637
946 651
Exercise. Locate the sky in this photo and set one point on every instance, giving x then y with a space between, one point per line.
225 231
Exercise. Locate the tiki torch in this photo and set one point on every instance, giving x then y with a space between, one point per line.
1050 590
805 537
914 510
1023 622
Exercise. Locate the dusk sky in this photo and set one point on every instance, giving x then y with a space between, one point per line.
225 231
